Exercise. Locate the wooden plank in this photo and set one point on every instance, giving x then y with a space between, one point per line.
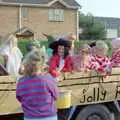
7 79
7 87
83 81
94 93
89 74
9 103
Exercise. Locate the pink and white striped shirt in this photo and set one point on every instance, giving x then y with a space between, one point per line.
116 59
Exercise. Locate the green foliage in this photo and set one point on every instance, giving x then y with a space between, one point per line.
51 38
79 43
22 43
44 43
110 47
91 29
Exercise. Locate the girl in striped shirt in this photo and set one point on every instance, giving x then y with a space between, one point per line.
100 62
37 92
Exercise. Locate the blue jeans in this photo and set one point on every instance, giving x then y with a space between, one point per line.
44 118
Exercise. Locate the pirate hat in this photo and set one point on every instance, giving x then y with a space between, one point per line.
61 41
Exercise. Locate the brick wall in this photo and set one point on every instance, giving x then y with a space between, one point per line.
37 20
8 19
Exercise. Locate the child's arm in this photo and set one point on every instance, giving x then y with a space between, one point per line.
52 88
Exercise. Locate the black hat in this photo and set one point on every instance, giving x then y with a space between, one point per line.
93 44
63 42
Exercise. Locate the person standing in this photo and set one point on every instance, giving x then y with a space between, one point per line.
12 55
37 91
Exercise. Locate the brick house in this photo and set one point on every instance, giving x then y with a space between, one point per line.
55 17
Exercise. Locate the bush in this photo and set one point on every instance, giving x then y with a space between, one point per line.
22 43
80 42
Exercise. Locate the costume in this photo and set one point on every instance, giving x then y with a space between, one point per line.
58 62
14 59
116 52
54 64
116 59
100 62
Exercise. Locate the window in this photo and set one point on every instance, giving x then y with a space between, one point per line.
56 15
24 12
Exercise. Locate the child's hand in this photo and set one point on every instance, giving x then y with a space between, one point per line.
107 69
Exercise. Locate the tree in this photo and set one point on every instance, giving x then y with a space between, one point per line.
91 29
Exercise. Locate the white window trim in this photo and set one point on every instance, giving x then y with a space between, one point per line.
56 15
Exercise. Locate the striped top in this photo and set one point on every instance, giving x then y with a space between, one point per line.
101 64
116 59
37 95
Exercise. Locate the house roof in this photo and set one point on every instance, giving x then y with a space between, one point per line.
28 1
24 31
71 3
110 22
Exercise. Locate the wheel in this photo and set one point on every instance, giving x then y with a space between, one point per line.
94 112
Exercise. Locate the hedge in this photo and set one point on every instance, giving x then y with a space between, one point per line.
24 42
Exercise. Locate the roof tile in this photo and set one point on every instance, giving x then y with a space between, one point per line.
69 2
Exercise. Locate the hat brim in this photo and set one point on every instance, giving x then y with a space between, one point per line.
65 43
61 42
53 45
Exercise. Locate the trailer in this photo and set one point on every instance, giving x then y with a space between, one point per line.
94 96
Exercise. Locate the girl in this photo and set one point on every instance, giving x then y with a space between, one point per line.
60 61
81 61
100 61
12 55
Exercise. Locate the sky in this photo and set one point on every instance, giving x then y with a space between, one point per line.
101 8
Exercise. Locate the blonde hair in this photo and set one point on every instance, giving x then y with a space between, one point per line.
34 64
101 45
11 40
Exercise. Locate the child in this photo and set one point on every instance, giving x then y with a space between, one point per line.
60 61
92 48
70 37
37 92
116 52
100 61
81 61
12 55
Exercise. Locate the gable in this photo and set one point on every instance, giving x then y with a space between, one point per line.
24 32
58 5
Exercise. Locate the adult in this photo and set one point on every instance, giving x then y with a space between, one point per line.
37 92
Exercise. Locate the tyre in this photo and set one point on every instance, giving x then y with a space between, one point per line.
94 112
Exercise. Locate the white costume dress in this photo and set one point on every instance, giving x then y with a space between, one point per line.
14 59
